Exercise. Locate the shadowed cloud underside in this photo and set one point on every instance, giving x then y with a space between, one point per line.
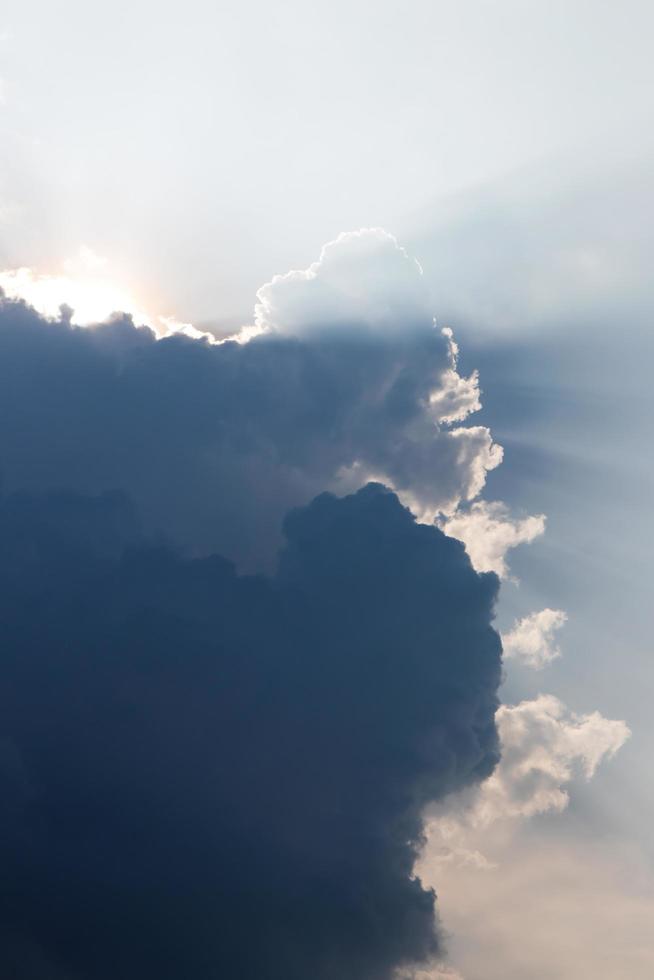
211 775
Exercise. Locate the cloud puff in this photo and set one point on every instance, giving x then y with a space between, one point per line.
207 775
501 874
531 640
488 531
363 279
348 381
457 397
545 746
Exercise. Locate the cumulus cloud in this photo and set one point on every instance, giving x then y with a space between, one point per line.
457 397
489 531
532 641
545 746
208 775
500 874
217 773
363 279
345 379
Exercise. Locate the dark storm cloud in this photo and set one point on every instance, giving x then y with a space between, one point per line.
205 775
215 443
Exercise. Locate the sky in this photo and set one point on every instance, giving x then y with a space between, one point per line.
220 632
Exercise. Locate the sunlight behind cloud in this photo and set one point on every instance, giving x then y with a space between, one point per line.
92 299
87 290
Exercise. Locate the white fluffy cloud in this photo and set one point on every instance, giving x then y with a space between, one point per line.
457 397
532 640
516 901
362 278
545 746
489 531
364 285
496 890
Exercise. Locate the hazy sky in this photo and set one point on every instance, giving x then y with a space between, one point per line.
202 147
181 155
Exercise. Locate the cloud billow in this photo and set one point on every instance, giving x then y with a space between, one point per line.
215 442
207 774
230 697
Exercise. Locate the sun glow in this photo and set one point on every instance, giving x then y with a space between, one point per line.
86 288
92 300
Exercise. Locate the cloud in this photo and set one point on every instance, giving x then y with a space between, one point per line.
235 768
82 288
457 397
363 279
203 774
488 531
215 442
545 746
500 874
531 640
85 294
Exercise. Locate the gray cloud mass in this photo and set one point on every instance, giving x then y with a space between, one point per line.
205 773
